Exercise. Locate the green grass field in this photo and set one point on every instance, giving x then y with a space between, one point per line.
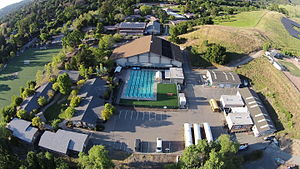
162 98
292 68
280 94
245 19
17 73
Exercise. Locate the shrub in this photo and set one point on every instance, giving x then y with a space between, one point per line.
42 101
108 111
17 101
80 82
50 94
55 123
37 122
67 114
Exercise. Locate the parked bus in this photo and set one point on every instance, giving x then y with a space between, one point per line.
214 105
208 133
188 138
197 132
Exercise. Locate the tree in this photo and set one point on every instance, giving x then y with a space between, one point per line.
108 111
97 157
50 94
22 114
75 101
106 42
37 122
68 113
146 10
216 53
72 39
55 123
42 101
17 101
63 84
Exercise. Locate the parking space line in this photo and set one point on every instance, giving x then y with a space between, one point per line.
120 114
126 114
131 115
161 117
137 115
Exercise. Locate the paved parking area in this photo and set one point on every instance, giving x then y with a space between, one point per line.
124 128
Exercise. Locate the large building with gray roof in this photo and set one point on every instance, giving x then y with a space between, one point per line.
23 130
223 79
31 103
65 142
88 113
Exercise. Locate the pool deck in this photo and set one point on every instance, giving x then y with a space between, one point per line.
127 76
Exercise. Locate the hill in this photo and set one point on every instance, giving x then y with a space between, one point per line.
13 7
279 92
246 32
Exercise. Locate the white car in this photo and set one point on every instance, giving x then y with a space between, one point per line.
158 145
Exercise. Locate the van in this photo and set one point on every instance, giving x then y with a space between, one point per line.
158 145
214 105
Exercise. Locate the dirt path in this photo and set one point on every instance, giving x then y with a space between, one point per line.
246 59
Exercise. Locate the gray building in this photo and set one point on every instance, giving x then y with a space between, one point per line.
88 113
263 124
74 75
31 103
148 51
223 79
153 28
132 28
23 130
65 142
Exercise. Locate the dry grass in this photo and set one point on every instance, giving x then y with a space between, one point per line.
281 94
236 40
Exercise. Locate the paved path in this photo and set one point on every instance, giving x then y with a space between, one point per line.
246 59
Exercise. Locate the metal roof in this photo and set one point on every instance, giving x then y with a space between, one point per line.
132 25
147 44
238 119
22 129
232 101
224 77
257 111
74 75
63 140
93 87
31 102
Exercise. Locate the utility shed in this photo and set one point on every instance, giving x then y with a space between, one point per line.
263 124
23 130
176 75
223 79
228 101
63 141
239 119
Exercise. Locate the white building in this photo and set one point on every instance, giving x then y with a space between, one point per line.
175 75
228 101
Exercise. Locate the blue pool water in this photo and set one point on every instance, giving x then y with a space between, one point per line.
140 84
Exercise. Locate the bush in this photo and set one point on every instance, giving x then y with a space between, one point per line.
37 122
108 111
17 101
67 114
42 101
216 53
27 92
55 123
80 82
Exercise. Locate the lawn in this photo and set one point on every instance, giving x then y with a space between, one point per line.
293 69
294 10
18 73
163 99
245 19
54 110
280 94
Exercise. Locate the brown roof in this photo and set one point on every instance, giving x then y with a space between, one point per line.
147 44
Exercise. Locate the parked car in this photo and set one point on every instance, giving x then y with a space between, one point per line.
158 145
244 147
279 161
269 138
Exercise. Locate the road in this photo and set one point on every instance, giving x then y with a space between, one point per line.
246 59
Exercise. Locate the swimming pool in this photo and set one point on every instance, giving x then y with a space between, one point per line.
140 85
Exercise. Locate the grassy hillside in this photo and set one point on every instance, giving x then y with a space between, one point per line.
279 92
236 40
246 32
294 10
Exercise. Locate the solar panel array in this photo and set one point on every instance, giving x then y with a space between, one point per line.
132 25
289 26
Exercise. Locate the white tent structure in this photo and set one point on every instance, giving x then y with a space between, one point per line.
158 76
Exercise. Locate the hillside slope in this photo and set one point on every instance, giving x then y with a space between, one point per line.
13 7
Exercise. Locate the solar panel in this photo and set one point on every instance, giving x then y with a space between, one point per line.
132 25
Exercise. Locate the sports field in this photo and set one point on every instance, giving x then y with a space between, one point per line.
21 69
163 98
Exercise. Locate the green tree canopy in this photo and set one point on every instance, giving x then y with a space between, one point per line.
97 157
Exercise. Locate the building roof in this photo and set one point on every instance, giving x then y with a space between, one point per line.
147 44
74 75
232 101
224 77
176 73
89 110
241 118
93 87
63 140
31 103
22 129
132 25
257 111
153 27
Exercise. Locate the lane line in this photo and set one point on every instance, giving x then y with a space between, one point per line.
126 114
